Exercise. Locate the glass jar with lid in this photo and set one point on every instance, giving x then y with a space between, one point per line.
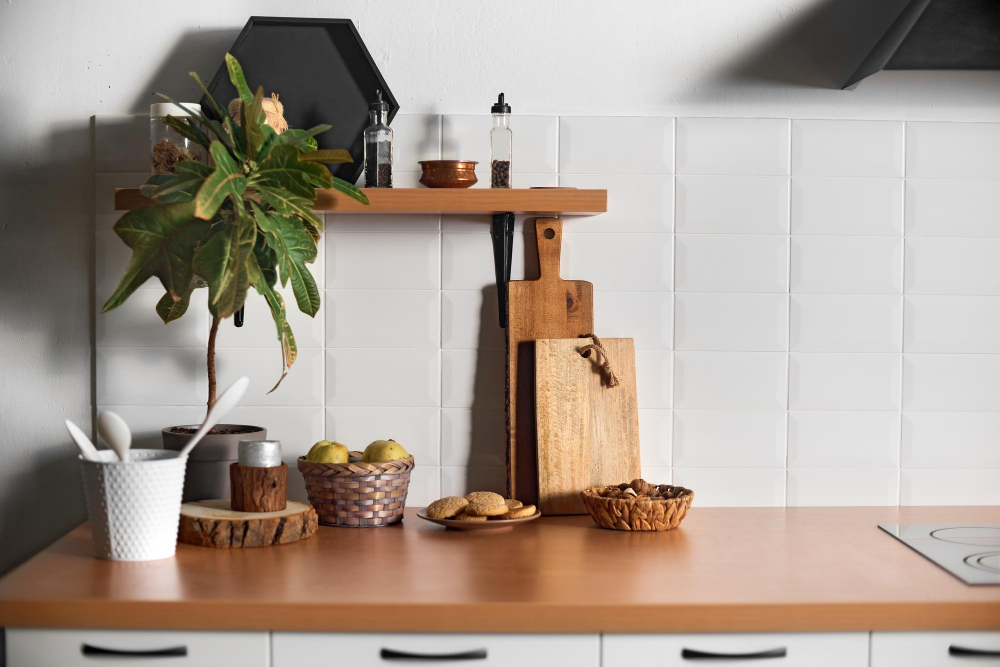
167 147
501 145
378 145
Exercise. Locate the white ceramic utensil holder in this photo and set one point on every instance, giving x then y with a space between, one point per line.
134 507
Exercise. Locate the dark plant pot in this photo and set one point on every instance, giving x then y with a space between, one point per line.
207 475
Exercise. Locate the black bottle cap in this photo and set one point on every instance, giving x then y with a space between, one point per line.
500 106
377 104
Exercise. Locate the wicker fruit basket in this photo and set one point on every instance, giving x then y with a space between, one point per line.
638 506
357 494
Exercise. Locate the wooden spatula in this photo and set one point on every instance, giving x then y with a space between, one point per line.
549 307
588 430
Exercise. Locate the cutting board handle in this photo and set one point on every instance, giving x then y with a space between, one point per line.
548 231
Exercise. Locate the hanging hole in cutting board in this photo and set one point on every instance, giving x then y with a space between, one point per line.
550 233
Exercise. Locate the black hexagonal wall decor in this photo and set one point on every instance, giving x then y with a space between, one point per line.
321 71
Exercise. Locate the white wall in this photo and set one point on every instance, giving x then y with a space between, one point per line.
61 62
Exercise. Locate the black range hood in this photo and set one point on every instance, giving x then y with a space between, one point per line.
937 34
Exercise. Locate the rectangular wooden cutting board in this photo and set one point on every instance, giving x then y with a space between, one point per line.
549 307
588 432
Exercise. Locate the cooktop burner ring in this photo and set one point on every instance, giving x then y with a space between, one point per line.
989 561
983 536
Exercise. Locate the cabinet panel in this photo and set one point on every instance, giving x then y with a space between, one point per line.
293 649
786 650
935 649
131 648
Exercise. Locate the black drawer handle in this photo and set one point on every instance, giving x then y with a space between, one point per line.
174 652
962 652
692 654
475 654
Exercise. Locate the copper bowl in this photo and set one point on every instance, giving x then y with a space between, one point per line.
448 173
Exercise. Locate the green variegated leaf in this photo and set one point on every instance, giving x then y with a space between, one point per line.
328 156
253 122
290 205
265 145
226 181
163 240
222 262
267 259
239 81
219 111
350 190
282 169
179 187
278 313
170 309
302 139
188 129
294 249
239 137
221 134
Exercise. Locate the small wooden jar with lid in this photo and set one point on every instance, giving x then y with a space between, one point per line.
258 481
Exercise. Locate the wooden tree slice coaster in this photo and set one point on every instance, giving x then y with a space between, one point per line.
211 523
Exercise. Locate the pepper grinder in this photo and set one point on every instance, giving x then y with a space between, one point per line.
258 481
378 145
501 145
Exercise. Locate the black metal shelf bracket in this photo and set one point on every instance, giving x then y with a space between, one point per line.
502 231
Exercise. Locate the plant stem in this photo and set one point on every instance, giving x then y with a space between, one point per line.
211 361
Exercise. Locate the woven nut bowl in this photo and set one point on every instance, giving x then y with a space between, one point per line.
656 514
357 494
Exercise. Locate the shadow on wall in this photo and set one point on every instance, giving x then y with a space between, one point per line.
819 47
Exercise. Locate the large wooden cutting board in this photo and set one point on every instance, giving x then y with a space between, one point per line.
549 307
588 432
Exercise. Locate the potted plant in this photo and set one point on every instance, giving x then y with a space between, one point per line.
244 222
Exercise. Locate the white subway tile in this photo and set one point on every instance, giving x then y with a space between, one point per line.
846 323
473 378
732 146
943 207
949 487
847 206
732 204
730 380
460 480
150 376
470 319
747 322
383 261
415 137
302 386
425 486
953 324
847 265
146 422
383 318
467 259
388 222
952 266
390 378
649 261
593 145
258 328
951 382
729 439
653 373
536 142
136 324
416 429
845 381
473 437
655 437
842 488
734 487
121 143
858 440
951 440
657 474
952 150
731 263
648 317
636 203
847 148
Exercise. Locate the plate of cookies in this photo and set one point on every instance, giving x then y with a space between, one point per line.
479 510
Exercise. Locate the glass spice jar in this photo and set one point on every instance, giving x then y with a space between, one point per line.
501 145
378 145
167 147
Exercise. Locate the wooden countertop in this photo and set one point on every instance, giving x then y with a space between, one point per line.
723 570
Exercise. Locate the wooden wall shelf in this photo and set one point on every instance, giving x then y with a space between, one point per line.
540 201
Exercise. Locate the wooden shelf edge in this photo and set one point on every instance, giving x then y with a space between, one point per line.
555 201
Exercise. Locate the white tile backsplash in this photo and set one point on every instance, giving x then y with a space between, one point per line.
812 327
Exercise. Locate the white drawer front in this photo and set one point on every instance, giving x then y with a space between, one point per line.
935 649
66 648
294 649
784 650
